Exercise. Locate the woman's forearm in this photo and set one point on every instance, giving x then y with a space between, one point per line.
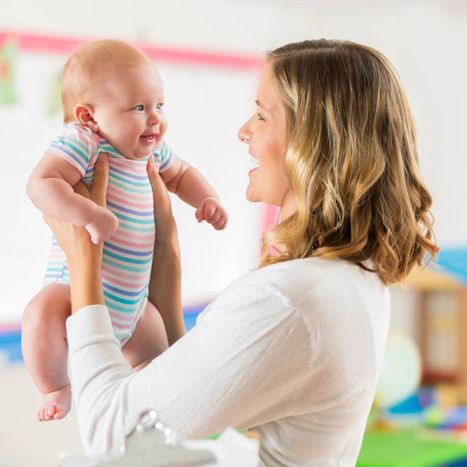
99 375
165 290
84 265
165 282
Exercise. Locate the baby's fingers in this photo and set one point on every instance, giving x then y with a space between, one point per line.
220 220
221 225
210 212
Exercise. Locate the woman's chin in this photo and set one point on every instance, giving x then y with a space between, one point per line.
251 196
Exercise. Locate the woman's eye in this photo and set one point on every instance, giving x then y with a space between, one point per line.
260 117
139 108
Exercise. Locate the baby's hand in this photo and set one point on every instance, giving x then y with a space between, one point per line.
211 210
102 226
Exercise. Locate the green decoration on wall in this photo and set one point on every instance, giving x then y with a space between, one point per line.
54 105
8 60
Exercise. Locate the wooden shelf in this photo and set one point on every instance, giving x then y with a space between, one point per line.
429 279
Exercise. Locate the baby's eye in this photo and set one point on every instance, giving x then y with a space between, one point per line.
159 106
139 108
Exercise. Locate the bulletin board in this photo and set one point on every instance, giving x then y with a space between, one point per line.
208 97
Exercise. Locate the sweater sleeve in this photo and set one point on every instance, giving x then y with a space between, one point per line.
222 373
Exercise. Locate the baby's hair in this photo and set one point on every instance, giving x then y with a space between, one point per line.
82 74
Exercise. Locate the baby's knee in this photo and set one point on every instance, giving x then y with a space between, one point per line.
49 306
35 314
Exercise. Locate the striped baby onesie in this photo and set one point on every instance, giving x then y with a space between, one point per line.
127 255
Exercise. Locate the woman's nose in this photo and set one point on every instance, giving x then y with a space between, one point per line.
244 133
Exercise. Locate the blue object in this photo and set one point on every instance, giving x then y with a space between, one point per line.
453 418
190 314
453 261
190 320
10 345
410 405
458 463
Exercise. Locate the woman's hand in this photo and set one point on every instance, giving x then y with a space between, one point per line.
84 257
165 283
166 229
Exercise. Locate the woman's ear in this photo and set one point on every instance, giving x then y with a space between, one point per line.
83 114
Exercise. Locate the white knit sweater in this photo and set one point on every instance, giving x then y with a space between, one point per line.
292 350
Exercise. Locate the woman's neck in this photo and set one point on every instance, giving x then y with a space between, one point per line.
288 207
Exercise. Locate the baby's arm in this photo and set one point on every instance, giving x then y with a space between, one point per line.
190 185
50 189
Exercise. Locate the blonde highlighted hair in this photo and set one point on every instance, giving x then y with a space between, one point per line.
352 161
83 75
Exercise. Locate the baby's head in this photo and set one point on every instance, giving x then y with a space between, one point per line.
115 90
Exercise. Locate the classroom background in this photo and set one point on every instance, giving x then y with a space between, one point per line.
209 54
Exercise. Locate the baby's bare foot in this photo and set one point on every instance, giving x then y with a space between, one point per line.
56 404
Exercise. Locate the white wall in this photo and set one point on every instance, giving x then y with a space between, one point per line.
424 39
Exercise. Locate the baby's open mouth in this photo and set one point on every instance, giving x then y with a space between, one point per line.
149 138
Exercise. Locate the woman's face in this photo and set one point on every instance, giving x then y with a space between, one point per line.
266 135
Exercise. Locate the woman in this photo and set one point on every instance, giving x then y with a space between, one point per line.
294 348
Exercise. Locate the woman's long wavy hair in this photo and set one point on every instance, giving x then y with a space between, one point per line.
352 161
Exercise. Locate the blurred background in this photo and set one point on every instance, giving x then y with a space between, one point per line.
209 53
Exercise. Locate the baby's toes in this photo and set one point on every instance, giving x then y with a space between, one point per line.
59 412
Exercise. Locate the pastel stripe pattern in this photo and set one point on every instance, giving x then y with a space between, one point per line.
127 257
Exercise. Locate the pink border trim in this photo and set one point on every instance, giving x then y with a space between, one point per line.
63 45
9 327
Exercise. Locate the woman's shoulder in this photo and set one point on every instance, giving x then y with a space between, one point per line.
296 285
321 297
308 276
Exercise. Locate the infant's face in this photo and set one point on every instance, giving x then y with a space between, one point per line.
128 111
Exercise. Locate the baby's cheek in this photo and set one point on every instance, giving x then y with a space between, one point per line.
163 128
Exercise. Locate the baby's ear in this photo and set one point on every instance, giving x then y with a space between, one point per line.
83 114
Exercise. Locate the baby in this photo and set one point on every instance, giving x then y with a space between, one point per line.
112 97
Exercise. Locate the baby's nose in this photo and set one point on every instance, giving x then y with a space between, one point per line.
154 118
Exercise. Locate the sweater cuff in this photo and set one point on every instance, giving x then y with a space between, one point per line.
88 325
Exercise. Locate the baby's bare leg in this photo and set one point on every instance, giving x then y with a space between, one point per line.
45 348
148 340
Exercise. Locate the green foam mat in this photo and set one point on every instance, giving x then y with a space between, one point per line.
408 448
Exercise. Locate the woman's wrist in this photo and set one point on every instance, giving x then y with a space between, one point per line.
85 279
85 290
